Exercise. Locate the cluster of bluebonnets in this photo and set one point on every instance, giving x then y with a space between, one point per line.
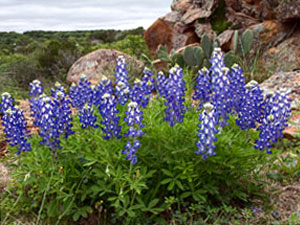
219 92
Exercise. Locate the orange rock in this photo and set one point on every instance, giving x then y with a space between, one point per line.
159 33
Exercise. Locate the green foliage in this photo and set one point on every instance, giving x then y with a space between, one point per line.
219 20
133 45
48 55
90 176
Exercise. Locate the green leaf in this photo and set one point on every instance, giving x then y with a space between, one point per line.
167 172
171 185
165 181
153 203
52 210
76 216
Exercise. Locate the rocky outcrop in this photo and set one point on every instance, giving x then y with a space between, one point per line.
290 11
290 81
273 23
98 63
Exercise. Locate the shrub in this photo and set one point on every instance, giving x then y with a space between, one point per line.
152 171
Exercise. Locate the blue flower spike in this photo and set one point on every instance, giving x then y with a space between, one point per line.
206 132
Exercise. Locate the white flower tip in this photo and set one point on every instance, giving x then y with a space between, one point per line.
204 69
106 95
57 84
6 95
208 106
36 82
132 105
251 84
104 78
82 76
137 81
121 84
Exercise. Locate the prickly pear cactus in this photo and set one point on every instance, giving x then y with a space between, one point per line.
206 45
247 41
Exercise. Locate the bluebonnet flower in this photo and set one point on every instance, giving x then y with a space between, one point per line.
122 92
130 151
207 131
276 214
48 129
202 87
137 94
249 108
86 117
16 130
148 81
255 210
109 112
6 102
121 73
133 119
63 113
217 59
237 86
175 96
221 96
273 125
82 93
103 87
161 83
57 87
36 88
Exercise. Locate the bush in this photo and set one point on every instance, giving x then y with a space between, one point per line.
86 175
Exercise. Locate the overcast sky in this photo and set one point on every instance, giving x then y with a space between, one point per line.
24 15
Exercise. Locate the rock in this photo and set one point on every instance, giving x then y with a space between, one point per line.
186 38
291 81
160 65
181 5
172 35
288 80
204 28
173 16
286 55
98 63
159 33
194 14
180 50
290 11
268 33
249 12
225 39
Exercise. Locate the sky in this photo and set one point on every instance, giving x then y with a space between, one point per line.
67 15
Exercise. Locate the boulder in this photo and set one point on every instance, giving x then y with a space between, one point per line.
192 15
98 63
159 33
290 11
286 55
204 28
181 5
173 35
225 39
